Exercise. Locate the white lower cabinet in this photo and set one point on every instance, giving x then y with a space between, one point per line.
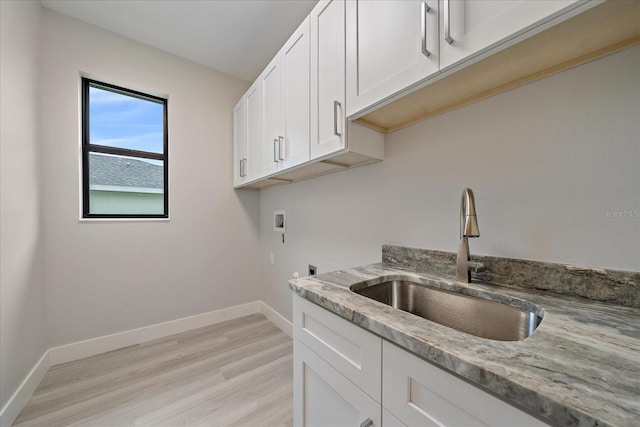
350 349
418 393
337 370
325 397
346 376
389 420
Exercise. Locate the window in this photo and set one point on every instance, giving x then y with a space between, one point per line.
124 153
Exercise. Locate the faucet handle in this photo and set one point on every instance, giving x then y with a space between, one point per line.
477 267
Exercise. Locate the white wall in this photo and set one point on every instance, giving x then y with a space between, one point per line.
22 298
546 162
105 277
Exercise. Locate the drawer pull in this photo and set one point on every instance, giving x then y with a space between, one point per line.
367 423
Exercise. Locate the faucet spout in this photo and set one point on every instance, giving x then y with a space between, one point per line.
468 219
468 228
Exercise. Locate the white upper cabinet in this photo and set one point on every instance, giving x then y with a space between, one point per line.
393 45
295 64
327 77
254 131
390 46
247 136
239 142
358 59
301 97
272 135
469 27
285 104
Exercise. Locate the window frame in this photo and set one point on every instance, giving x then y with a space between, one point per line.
88 148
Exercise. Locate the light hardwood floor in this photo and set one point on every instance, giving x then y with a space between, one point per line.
235 373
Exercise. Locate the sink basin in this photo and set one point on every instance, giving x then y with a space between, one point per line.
475 316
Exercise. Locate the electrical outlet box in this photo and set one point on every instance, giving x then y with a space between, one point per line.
278 221
312 270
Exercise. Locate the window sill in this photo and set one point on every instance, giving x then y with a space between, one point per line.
89 220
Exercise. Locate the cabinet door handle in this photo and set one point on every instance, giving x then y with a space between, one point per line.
447 21
275 150
281 148
367 423
243 167
424 9
336 105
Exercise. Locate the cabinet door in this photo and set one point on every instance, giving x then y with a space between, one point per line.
239 141
391 45
295 63
273 135
469 27
327 77
419 393
254 131
323 397
388 420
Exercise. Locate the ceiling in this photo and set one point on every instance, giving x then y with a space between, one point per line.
237 37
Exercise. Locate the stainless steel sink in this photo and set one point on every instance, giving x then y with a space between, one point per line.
475 316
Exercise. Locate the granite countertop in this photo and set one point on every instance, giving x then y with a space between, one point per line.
581 367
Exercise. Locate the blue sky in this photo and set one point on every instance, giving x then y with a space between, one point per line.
124 121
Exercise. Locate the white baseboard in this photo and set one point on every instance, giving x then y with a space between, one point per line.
14 405
277 319
91 347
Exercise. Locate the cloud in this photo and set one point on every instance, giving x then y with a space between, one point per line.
123 121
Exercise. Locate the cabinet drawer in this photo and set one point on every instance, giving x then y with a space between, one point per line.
420 394
351 350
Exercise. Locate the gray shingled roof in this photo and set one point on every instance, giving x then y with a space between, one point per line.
124 172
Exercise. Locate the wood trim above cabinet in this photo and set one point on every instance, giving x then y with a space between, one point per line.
602 30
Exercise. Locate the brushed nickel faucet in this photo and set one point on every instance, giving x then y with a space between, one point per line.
468 228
